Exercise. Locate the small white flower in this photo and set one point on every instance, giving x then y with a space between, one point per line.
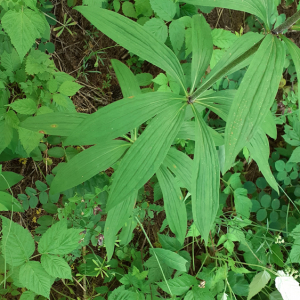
287 286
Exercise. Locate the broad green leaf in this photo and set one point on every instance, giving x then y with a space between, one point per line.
69 88
135 39
24 106
187 132
11 179
59 240
33 276
177 33
181 165
29 139
259 8
242 203
17 243
116 218
143 7
295 54
165 9
254 97
235 58
202 46
179 285
60 99
6 134
9 203
155 270
206 179
56 266
146 154
171 259
57 123
223 38
10 61
269 126
127 80
157 28
173 203
56 152
275 296
23 27
258 282
120 117
294 255
198 293
28 295
295 157
87 164
128 10
144 79
260 152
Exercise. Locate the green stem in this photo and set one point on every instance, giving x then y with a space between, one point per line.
287 24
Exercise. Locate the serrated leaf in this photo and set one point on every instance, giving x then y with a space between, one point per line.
60 99
157 28
116 218
33 276
10 61
173 203
28 295
23 27
223 38
170 258
17 243
9 203
258 282
56 266
29 139
135 39
206 179
24 106
177 34
87 164
57 123
165 9
127 80
146 154
254 97
202 48
69 88
121 116
59 240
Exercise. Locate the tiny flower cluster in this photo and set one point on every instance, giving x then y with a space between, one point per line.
292 272
279 240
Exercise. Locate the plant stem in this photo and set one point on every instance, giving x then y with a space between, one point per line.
84 278
287 24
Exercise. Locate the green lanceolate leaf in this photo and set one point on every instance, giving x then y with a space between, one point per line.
173 203
87 164
57 123
254 97
135 39
34 277
17 243
202 45
219 102
23 27
146 154
238 56
260 8
260 152
295 53
127 80
258 282
9 179
121 116
206 179
116 218
181 165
